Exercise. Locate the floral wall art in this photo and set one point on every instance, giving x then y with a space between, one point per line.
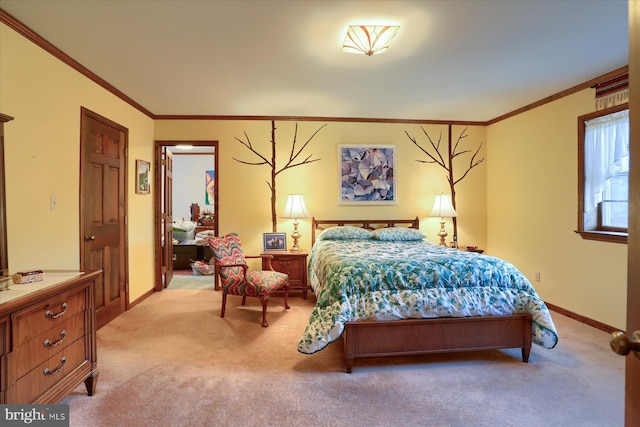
367 175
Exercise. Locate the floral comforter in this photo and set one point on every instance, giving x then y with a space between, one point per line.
376 280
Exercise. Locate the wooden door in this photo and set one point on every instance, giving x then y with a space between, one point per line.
4 260
167 217
103 211
632 381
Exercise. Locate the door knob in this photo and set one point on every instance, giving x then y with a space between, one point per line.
621 344
89 238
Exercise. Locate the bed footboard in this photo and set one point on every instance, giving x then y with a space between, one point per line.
438 335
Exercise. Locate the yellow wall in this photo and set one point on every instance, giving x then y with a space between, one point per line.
42 158
532 211
520 204
244 196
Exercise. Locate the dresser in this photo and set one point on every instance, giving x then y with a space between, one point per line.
48 338
292 263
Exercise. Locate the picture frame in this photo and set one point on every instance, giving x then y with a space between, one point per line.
143 178
274 242
367 174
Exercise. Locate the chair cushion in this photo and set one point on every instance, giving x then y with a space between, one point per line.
260 283
265 282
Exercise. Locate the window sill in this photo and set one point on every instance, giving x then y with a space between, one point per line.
604 236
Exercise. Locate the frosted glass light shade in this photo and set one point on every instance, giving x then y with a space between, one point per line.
369 39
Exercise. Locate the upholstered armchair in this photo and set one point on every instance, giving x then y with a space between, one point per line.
237 279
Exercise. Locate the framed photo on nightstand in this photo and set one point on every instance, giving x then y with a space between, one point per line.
272 242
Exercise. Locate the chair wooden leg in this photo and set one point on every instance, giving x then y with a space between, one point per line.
224 304
286 297
264 300
244 299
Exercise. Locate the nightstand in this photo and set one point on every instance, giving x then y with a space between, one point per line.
292 263
476 249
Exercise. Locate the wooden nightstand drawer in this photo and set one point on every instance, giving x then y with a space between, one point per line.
295 265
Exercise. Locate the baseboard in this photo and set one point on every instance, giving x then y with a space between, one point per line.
141 298
582 319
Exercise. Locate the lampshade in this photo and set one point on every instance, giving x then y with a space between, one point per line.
442 207
295 207
369 39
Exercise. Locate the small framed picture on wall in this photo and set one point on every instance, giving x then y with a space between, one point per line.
274 242
143 184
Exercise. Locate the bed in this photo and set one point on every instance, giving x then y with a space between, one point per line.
388 291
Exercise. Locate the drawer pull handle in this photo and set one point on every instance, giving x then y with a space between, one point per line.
48 371
48 343
50 315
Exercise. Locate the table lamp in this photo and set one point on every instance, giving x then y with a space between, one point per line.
443 208
295 209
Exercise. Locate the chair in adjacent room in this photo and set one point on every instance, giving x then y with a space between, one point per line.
237 279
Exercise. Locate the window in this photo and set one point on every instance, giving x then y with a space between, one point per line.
603 174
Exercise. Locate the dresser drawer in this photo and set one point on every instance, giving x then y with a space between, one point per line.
47 374
48 344
37 319
4 335
4 347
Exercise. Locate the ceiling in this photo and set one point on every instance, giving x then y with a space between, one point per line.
451 60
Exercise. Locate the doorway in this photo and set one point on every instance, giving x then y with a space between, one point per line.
180 195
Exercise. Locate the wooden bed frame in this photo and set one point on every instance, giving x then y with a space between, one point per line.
421 336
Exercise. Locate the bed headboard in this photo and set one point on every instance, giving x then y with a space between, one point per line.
369 224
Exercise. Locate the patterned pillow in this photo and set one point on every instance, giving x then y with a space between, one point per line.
346 232
398 234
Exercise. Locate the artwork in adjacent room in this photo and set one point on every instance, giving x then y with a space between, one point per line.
142 177
367 175
210 184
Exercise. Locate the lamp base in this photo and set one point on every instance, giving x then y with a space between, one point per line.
295 236
443 234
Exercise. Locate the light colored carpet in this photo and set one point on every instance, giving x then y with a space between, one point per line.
191 282
172 361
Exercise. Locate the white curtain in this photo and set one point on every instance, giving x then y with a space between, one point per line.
606 152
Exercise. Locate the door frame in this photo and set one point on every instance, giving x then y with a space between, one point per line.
632 363
158 197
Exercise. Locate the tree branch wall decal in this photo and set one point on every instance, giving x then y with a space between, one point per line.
293 161
453 151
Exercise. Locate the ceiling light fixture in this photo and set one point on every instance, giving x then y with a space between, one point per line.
369 39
